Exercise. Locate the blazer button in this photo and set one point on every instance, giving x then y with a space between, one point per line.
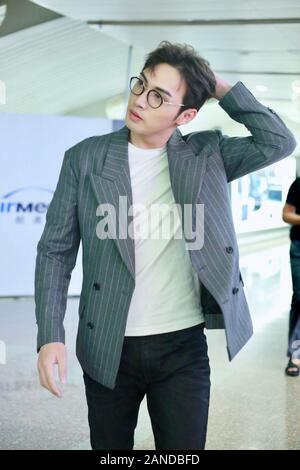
229 249
96 286
235 290
90 325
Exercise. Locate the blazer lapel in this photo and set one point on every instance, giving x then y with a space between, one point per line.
187 166
113 181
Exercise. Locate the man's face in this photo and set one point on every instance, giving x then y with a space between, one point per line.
160 121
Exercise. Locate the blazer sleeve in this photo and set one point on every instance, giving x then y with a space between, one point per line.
56 257
270 141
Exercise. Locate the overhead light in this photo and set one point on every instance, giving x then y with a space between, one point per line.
115 107
296 86
296 95
2 92
3 9
261 88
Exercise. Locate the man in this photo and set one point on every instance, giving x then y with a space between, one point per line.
291 215
144 301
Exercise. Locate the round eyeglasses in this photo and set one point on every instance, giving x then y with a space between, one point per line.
154 98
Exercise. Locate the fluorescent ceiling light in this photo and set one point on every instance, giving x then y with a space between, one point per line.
296 86
2 13
261 88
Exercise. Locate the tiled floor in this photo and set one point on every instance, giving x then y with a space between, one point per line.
253 405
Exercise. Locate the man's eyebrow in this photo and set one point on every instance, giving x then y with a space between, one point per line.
156 87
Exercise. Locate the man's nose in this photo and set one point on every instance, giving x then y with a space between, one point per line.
141 100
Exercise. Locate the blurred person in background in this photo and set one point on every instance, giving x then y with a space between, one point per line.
291 215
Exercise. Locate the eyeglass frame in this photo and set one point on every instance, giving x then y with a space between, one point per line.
152 89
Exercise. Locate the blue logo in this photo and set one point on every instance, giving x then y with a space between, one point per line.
19 204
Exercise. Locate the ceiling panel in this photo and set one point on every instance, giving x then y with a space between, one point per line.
65 64
172 9
60 65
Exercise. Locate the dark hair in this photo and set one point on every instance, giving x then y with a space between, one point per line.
195 70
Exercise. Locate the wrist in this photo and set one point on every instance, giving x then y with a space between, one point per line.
222 90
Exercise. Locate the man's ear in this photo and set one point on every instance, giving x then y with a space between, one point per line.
186 116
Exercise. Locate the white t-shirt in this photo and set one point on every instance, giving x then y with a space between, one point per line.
167 290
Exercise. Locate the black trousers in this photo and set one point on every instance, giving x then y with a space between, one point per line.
172 370
294 319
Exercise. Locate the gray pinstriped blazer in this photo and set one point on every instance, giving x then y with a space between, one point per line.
95 171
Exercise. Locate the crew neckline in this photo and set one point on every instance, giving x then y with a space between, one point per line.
140 148
148 152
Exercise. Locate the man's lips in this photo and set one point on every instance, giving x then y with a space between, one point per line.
135 114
